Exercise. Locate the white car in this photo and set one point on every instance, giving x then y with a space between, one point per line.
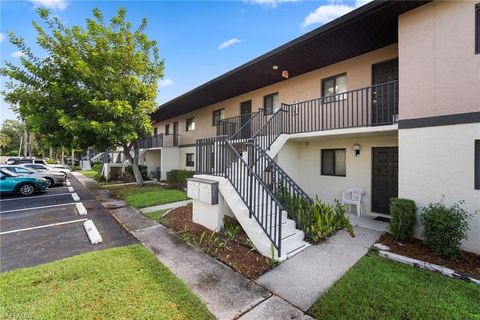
46 167
52 177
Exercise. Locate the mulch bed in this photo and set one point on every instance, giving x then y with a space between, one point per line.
468 264
234 249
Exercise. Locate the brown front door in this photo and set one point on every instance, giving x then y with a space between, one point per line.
384 92
175 133
245 114
385 178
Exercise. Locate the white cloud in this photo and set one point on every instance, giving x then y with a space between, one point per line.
228 43
328 12
2 37
55 5
17 54
269 3
165 83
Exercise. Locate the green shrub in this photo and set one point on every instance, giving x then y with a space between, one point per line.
97 167
403 216
51 161
179 177
444 228
143 171
99 177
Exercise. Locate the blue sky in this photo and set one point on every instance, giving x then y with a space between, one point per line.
199 40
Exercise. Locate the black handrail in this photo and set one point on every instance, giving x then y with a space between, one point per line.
217 156
154 141
242 126
270 131
281 184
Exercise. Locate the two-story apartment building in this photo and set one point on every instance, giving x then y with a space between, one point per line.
385 98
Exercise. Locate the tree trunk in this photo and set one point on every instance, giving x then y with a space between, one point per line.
73 159
134 161
62 154
25 144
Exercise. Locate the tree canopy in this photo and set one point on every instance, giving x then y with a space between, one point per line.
95 87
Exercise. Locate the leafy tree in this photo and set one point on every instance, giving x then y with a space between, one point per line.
4 141
96 87
13 129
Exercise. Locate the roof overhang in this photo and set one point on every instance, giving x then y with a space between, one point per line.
370 27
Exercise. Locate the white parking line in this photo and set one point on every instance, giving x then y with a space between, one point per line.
42 207
44 226
35 197
70 189
68 183
75 196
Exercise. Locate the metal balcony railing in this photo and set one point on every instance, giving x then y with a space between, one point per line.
159 140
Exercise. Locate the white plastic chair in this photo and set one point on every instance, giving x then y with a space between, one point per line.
353 196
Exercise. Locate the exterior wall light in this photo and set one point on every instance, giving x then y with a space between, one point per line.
285 74
356 147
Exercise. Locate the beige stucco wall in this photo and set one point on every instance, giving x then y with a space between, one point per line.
304 87
438 163
183 157
170 160
439 71
302 161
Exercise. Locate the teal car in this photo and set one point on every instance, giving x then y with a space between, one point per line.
13 183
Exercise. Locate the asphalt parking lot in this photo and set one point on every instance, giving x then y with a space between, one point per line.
47 226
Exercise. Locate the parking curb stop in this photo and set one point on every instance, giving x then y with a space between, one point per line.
81 209
92 232
70 189
75 197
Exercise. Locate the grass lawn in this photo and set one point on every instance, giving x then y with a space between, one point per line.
156 215
89 173
120 283
148 195
376 288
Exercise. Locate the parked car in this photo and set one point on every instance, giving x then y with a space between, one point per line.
52 177
68 160
60 167
26 186
29 160
45 167
11 160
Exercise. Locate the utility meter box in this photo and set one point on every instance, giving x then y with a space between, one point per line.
203 189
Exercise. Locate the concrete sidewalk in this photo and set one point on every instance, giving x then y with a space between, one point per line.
303 278
172 205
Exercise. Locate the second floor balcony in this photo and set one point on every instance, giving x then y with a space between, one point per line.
159 141
370 106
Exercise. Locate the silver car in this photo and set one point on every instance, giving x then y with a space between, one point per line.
52 177
45 167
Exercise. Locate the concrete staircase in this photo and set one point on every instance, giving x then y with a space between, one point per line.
291 238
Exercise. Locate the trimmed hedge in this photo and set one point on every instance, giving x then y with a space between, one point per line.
403 216
179 177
